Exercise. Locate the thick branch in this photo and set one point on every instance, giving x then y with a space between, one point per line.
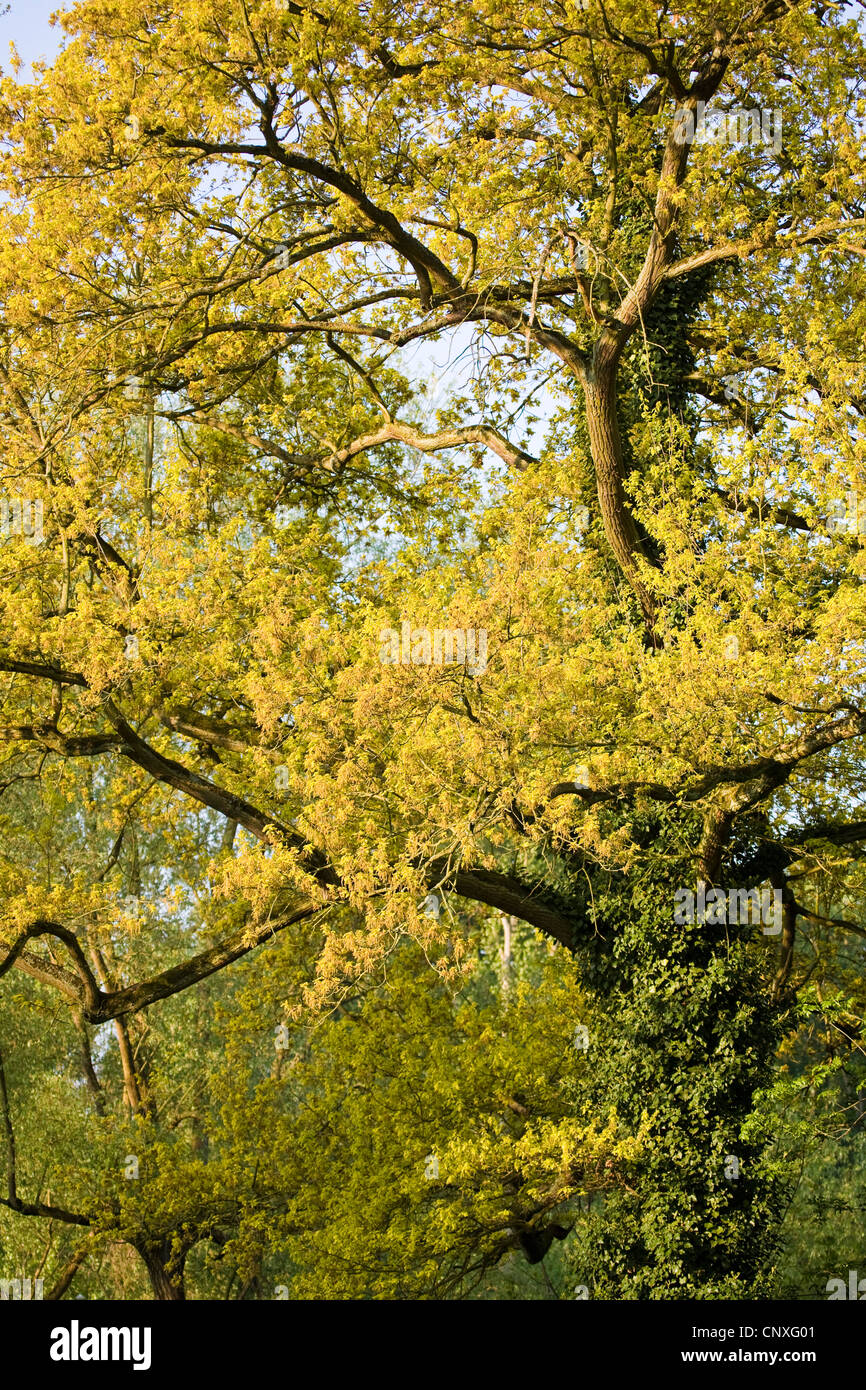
736 250
429 443
426 265
509 895
88 989
67 1274
759 776
47 735
837 834
43 671
181 977
48 1213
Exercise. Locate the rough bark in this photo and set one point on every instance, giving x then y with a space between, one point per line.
166 1280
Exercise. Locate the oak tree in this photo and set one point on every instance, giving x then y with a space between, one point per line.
240 237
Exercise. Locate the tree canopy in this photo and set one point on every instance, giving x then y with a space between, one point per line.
433 449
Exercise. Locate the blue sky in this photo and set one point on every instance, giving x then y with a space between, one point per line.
26 25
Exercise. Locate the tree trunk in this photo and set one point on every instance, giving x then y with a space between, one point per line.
166 1287
606 448
684 1038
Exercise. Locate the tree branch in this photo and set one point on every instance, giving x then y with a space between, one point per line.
737 250
830 921
89 991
